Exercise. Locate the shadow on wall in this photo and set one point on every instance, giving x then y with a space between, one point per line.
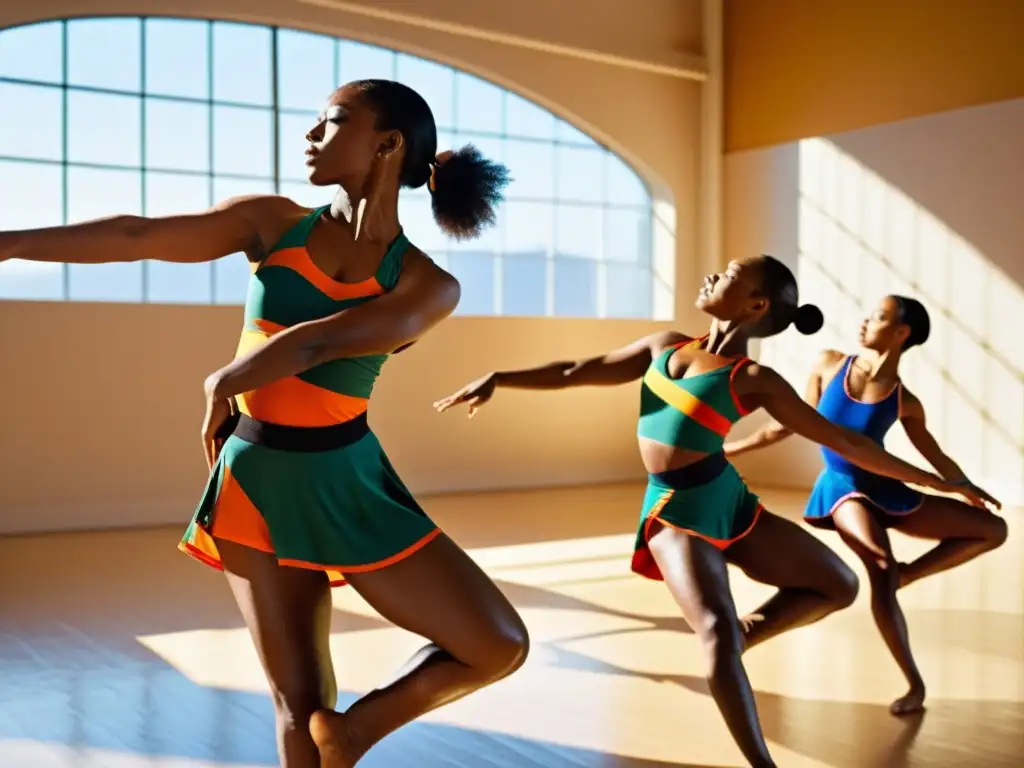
866 228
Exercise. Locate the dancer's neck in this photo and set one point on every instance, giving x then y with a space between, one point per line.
728 339
881 366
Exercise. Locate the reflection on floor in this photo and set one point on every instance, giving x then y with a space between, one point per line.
117 651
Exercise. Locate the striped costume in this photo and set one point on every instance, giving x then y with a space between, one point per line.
302 476
708 498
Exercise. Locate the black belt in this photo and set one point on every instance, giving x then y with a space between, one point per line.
701 472
295 439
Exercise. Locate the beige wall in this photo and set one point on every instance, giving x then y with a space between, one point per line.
798 68
929 207
102 403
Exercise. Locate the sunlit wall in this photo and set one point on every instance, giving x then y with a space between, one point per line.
925 209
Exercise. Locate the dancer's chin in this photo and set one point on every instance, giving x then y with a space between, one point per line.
316 178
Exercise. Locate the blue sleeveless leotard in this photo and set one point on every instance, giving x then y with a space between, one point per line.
841 480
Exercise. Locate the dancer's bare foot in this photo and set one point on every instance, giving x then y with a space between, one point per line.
332 737
910 703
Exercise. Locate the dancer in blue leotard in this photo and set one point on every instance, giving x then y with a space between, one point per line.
864 393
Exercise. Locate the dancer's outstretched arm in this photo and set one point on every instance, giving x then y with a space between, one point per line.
240 224
915 425
774 432
761 387
620 366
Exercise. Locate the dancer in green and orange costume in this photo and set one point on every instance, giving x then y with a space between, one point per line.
698 515
301 495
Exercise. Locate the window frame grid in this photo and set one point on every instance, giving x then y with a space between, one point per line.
275 111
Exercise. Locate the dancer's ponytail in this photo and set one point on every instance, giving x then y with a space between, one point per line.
465 187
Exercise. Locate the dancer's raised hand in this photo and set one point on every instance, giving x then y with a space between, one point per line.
474 394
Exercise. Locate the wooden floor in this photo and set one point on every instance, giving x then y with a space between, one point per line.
117 651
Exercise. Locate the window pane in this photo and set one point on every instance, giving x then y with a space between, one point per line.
575 288
291 138
491 148
105 53
446 140
177 58
524 285
231 274
177 135
623 186
630 291
31 196
570 134
627 236
532 165
32 121
104 129
357 61
578 231
481 104
168 194
307 194
433 82
33 52
241 63
242 141
92 194
525 119
475 272
231 279
417 219
305 69
580 174
529 227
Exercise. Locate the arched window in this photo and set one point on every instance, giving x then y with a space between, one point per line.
159 116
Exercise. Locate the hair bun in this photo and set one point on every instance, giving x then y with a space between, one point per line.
466 187
808 319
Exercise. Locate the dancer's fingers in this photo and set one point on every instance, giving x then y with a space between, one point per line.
986 496
973 498
445 403
210 451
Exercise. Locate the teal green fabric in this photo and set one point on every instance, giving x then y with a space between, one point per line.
720 511
663 423
342 508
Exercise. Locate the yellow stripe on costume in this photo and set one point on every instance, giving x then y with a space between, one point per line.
686 403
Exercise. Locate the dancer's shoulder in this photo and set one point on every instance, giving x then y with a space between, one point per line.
662 340
830 357
827 361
